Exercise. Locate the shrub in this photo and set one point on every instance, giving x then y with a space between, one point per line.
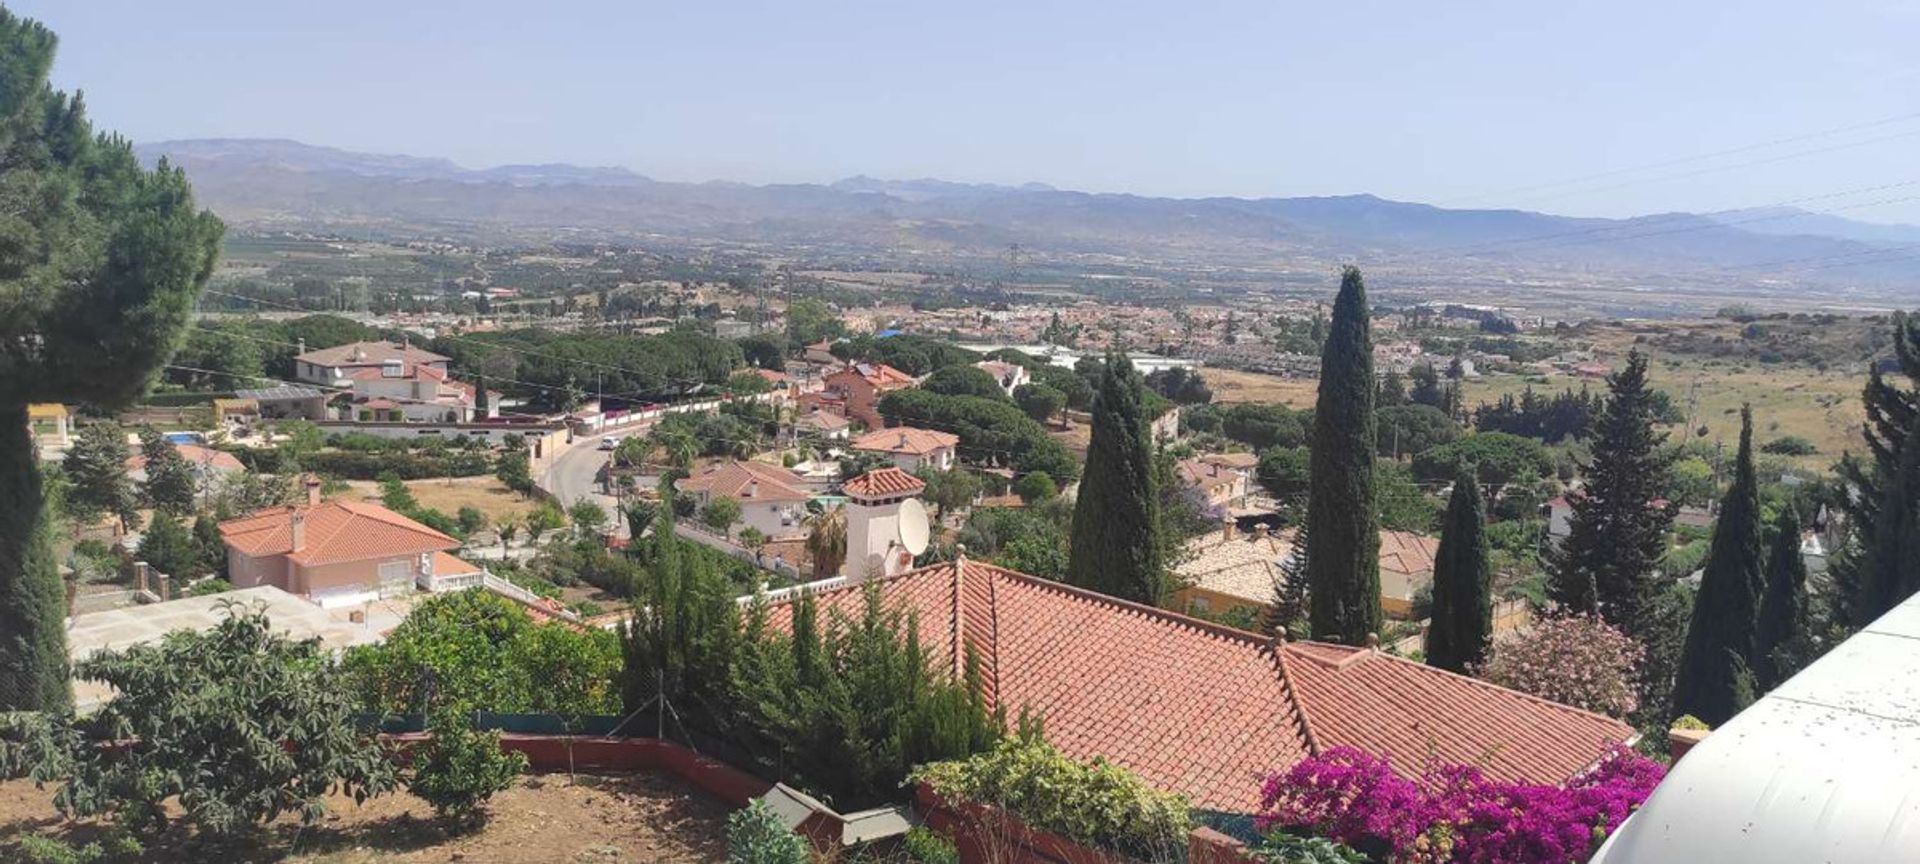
1453 812
1577 660
1035 487
755 835
1789 445
458 768
1099 804
179 698
1280 847
925 846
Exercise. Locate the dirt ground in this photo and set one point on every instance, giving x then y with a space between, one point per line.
448 496
1229 385
547 818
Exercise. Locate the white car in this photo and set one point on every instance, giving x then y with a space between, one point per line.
610 442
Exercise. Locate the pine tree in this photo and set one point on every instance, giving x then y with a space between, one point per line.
1866 583
100 261
96 467
1343 562
1715 679
170 483
208 544
1619 529
1286 614
1783 628
1462 621
167 545
1889 568
1116 543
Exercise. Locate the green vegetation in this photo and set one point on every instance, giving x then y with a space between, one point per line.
1498 457
1343 564
1783 632
478 651
1098 804
1618 534
100 262
1116 538
1462 620
1715 678
756 835
1885 569
459 767
993 433
964 381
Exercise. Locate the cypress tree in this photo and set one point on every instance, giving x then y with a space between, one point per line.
1715 679
1286 614
1343 562
100 261
1618 533
1116 545
1866 582
1462 621
1783 626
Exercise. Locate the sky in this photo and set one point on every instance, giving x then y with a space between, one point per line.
1490 103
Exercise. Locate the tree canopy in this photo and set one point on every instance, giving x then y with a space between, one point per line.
1343 562
1117 532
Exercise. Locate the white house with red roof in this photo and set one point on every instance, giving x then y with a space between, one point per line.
911 449
394 382
339 553
772 499
874 503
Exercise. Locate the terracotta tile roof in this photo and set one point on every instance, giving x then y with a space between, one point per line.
363 353
1201 474
905 440
880 375
1241 461
445 564
1407 552
772 376
825 421
1207 710
883 482
755 481
337 531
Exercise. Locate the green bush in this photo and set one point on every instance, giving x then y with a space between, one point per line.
1098 804
1279 847
755 835
1789 445
458 768
923 845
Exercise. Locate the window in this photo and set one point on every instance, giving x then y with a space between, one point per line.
1199 604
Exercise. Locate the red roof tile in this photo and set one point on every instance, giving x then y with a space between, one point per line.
883 483
905 439
1206 710
757 481
336 531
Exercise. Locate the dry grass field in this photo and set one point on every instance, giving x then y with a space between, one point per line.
448 496
1233 386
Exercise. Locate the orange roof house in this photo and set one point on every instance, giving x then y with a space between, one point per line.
336 552
860 385
1206 710
1406 564
772 499
205 461
911 448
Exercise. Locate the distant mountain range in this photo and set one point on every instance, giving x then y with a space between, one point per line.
266 183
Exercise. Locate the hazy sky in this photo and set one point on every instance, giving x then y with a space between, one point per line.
1453 103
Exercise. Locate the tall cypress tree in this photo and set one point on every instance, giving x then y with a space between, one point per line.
100 261
1462 621
1715 678
1116 545
1618 531
1867 582
1343 562
1784 628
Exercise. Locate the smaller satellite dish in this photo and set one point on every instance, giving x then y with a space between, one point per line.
913 525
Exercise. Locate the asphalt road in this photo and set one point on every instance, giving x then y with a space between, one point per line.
571 478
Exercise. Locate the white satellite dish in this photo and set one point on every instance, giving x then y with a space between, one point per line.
913 526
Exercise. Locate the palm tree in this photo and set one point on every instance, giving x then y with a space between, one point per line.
827 541
508 529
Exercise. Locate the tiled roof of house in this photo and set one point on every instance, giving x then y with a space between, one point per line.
1206 710
882 483
880 375
446 564
756 481
196 455
1407 553
1201 474
825 421
1243 566
905 440
362 353
336 531
1241 461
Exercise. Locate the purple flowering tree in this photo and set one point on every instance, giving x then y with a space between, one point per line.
1454 814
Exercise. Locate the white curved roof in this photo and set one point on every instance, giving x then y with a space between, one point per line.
1824 769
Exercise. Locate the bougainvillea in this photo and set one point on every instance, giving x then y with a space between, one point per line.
1454 814
1575 660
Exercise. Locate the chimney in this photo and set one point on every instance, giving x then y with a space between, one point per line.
298 529
903 440
300 345
753 489
1260 531
313 490
1228 528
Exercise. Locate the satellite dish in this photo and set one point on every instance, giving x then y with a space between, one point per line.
913 525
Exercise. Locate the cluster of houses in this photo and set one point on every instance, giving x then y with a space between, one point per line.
373 382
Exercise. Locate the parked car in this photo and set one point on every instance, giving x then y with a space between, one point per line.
610 442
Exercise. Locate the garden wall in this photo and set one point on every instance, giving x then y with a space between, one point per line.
986 834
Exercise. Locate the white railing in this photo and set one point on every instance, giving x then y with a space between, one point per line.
780 594
460 582
509 590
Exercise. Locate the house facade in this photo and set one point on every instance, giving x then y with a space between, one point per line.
772 499
338 553
1010 376
857 389
911 449
335 367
